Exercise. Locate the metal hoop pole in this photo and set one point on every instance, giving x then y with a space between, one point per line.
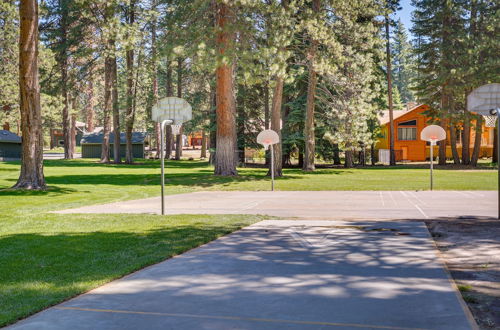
272 168
162 156
432 162
498 159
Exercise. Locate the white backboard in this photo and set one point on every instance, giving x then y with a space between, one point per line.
433 133
268 137
484 98
172 108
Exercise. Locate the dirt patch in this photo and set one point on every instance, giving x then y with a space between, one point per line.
471 249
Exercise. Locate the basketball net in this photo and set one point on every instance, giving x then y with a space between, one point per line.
176 129
490 120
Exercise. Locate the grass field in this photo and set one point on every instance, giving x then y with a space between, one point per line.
46 258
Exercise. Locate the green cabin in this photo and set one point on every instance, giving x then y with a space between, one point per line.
92 143
10 145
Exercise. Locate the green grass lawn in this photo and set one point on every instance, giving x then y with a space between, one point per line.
46 258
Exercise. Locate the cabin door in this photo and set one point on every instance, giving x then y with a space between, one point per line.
405 153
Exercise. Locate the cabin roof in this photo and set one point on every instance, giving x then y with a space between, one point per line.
96 138
383 117
7 136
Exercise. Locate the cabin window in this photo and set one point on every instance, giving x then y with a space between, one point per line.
407 133
408 123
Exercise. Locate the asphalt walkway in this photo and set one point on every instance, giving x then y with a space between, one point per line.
281 275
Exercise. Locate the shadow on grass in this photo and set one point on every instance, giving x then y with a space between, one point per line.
41 270
52 190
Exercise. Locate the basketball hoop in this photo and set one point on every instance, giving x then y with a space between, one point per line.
267 138
171 111
433 133
490 120
176 129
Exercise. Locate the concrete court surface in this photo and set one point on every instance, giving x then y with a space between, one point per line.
339 205
281 274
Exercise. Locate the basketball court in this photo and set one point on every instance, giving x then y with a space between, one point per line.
335 205
281 274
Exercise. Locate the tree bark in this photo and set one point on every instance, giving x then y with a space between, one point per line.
116 115
477 140
72 133
276 126
265 88
336 154
178 138
240 123
63 63
392 154
169 143
108 105
453 142
349 158
31 175
203 153
213 124
466 139
89 109
226 122
154 60
442 144
309 136
130 116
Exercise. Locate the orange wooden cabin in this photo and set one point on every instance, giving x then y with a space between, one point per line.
195 139
407 143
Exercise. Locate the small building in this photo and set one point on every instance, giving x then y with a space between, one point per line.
407 143
92 144
57 136
10 145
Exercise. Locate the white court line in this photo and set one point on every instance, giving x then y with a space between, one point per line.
250 205
414 195
382 198
463 194
415 205
392 197
423 213
475 193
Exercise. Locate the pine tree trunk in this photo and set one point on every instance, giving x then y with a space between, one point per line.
309 136
276 126
477 140
89 109
116 116
108 105
392 154
72 133
154 60
453 142
349 158
336 154
226 122
213 124
240 123
31 175
466 139
65 111
63 62
203 153
267 121
442 143
169 143
130 116
178 138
